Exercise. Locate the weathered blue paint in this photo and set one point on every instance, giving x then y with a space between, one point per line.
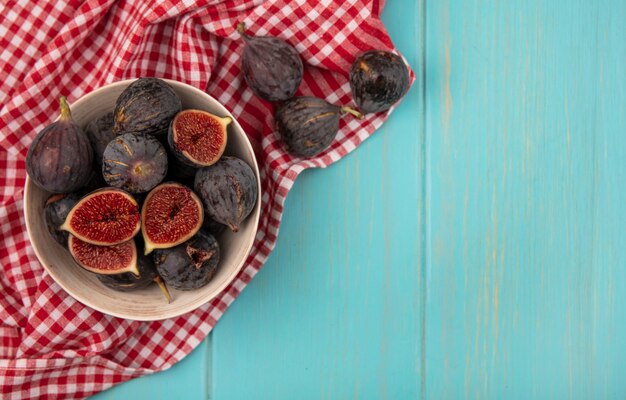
473 248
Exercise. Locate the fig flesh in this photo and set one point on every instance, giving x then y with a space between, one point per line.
171 214
54 213
146 106
134 162
271 67
105 260
198 138
189 265
104 217
100 133
228 190
60 157
308 125
378 79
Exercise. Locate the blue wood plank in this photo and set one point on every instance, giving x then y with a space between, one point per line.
526 150
336 311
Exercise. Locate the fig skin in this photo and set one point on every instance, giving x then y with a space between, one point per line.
228 190
189 265
271 67
128 281
134 162
378 79
60 157
100 133
308 125
181 172
212 227
147 105
54 213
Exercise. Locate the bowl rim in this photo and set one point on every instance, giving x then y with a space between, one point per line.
256 212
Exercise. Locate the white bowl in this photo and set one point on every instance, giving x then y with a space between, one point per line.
145 304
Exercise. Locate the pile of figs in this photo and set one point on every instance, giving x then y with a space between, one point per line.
141 195
273 70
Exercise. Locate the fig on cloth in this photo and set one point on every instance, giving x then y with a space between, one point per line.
378 79
308 125
271 67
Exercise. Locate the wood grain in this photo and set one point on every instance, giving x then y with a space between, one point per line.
471 249
525 136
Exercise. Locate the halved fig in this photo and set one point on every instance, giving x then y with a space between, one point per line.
104 217
104 260
198 138
171 214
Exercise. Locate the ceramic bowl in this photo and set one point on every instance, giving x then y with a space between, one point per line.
145 304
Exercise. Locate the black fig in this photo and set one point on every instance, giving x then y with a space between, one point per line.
189 265
228 190
271 67
55 211
211 226
100 133
308 125
134 162
147 105
378 79
59 159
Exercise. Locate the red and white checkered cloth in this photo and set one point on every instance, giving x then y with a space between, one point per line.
52 346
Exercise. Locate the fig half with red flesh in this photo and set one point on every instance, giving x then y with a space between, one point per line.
171 214
198 138
104 217
104 260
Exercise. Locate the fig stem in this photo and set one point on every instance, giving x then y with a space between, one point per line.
66 114
159 281
241 28
345 109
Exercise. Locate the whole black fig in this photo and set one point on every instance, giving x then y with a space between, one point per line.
271 67
308 125
147 105
59 159
54 213
134 162
228 190
189 265
100 133
378 79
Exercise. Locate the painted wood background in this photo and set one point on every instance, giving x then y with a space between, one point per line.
476 246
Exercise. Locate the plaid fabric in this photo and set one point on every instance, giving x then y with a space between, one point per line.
51 346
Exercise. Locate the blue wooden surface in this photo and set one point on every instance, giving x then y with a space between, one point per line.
474 248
